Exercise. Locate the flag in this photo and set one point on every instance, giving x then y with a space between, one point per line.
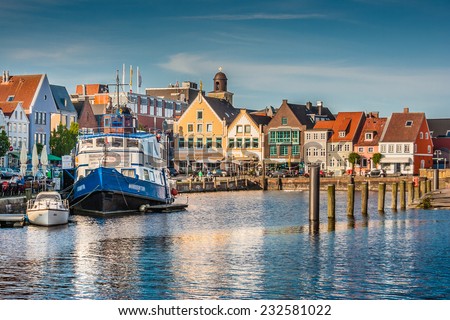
131 78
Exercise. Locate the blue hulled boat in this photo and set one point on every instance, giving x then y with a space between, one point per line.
119 169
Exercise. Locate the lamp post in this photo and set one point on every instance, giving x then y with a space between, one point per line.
437 154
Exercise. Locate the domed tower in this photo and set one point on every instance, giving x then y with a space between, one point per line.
220 87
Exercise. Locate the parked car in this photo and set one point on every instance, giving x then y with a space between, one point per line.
283 173
376 173
321 173
219 173
173 172
6 173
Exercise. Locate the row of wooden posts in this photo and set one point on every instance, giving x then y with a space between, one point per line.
407 192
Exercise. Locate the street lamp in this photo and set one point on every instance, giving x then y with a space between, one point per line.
437 153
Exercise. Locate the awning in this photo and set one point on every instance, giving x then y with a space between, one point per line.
395 160
15 154
53 158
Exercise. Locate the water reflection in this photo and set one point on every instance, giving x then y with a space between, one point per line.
261 245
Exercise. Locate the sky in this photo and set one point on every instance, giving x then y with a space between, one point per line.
354 55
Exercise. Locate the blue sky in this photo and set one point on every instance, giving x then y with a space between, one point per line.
355 55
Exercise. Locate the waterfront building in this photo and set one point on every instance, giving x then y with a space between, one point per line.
406 143
285 132
36 96
186 92
66 113
86 116
316 140
367 144
440 134
245 135
15 122
345 131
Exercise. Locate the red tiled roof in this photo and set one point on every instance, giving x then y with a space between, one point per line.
8 107
398 131
348 121
22 87
374 125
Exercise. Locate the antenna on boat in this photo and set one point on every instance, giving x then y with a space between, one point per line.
117 85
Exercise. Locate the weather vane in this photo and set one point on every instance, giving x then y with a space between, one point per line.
220 69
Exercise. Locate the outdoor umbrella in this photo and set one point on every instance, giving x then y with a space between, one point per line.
34 160
23 159
44 160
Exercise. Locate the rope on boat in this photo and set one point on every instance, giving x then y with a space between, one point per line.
85 197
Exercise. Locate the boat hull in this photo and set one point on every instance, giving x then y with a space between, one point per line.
105 191
48 217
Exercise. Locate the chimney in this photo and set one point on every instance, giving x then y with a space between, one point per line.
308 105
405 110
319 103
285 101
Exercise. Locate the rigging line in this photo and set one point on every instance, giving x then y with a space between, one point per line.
85 196
120 187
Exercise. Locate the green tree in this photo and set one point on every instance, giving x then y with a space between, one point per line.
63 140
353 158
4 144
376 158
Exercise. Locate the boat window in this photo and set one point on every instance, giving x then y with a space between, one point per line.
132 143
146 175
87 143
152 176
117 142
129 173
87 171
100 142
106 123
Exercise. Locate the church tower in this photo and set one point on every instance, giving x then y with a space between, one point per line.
220 88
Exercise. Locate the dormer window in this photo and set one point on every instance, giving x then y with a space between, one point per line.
369 136
10 98
284 121
408 123
342 134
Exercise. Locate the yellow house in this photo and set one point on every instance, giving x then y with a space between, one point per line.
245 147
200 134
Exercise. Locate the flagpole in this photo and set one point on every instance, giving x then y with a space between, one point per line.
137 80
123 75
131 79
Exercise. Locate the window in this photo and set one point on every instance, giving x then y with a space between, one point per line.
199 143
339 147
346 147
391 148
238 129
332 162
284 121
209 127
181 143
398 148
308 136
426 135
368 136
10 98
273 150
191 143
284 137
370 149
429 149
208 143
383 148
332 147
408 123
309 152
323 136
231 143
295 150
199 127
406 148
190 127
315 152
129 173
421 135
322 152
247 129
283 150
247 143
239 143
341 134
218 143
255 143
199 115
315 136
360 149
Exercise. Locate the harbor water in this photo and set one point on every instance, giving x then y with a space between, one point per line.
233 245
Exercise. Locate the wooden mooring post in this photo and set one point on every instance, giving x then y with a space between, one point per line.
394 196
402 195
410 192
364 198
350 200
381 196
314 193
331 201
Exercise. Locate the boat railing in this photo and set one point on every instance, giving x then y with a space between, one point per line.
47 203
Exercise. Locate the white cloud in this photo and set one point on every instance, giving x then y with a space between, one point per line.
258 16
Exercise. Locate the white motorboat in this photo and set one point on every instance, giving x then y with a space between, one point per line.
48 209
